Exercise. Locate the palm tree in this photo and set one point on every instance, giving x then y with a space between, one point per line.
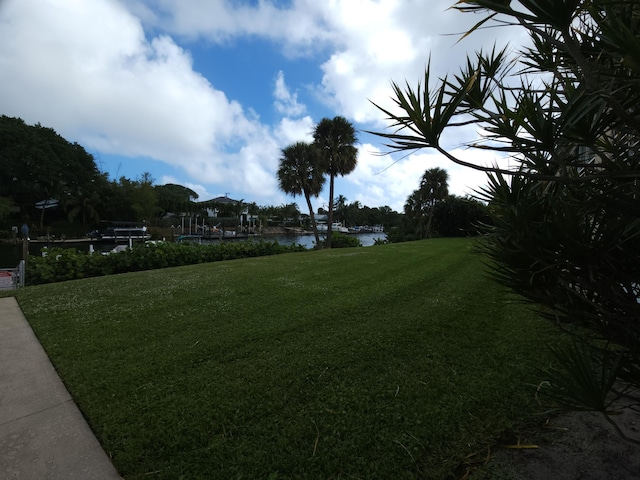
300 173
341 207
353 214
414 212
335 139
83 206
433 189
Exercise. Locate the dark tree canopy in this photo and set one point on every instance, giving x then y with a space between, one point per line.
420 206
175 198
38 164
459 217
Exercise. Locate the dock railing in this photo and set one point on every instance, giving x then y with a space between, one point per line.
12 278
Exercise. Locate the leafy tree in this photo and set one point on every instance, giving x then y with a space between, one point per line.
134 200
174 198
421 203
38 164
253 208
335 138
5 207
384 215
434 188
353 214
414 214
340 203
83 207
288 213
299 174
566 222
267 213
460 217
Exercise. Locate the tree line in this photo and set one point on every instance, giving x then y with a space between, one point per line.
55 187
430 211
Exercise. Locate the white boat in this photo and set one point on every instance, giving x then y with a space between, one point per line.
367 229
124 234
335 227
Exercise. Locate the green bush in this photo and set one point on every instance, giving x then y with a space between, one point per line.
340 240
70 264
399 235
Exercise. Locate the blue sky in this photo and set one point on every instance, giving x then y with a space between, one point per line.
207 93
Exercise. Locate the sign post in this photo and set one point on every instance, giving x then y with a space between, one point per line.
25 242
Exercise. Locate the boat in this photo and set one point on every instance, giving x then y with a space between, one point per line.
360 229
124 234
335 227
217 234
367 229
189 239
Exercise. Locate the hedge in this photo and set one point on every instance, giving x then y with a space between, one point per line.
60 264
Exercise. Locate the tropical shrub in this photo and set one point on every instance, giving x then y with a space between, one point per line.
564 109
340 240
70 264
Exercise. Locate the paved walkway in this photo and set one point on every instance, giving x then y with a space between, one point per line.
43 435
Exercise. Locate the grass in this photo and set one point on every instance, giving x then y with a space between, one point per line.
393 361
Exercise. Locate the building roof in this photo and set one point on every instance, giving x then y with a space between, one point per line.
224 199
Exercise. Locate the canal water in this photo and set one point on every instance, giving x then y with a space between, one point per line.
11 254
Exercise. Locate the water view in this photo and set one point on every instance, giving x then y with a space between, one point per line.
11 254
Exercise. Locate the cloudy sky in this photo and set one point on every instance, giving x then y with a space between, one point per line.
206 93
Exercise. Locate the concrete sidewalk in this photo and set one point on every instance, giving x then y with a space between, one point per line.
43 435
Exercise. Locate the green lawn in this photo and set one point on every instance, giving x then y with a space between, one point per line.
389 362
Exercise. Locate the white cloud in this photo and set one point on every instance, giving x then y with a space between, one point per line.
286 102
393 40
289 130
381 180
372 43
300 27
366 43
390 179
87 70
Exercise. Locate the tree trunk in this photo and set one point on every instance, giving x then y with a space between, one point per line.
330 215
313 220
429 218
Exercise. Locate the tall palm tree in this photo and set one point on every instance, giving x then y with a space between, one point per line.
434 188
299 173
335 138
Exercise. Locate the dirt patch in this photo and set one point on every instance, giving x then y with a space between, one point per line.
572 446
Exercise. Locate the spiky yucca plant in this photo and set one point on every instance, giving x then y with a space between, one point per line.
565 232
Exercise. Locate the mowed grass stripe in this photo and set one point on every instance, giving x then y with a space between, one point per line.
392 361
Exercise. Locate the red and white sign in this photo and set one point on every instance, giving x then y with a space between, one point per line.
6 279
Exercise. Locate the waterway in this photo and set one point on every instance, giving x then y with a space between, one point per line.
10 254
